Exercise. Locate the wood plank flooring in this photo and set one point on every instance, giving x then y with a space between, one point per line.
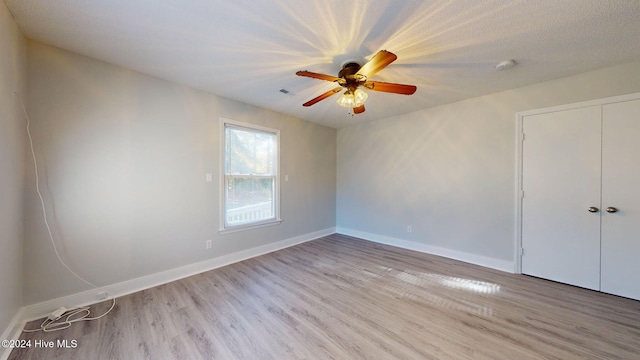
344 298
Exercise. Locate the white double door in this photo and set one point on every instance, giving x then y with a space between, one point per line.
581 205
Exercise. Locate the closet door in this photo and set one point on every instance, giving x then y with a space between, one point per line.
621 190
561 182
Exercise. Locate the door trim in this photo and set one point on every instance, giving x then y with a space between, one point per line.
519 138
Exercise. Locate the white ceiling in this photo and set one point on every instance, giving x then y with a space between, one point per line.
248 50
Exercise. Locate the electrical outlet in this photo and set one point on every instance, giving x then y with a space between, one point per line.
208 244
102 295
409 228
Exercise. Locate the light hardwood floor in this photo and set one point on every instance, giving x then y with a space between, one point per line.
344 298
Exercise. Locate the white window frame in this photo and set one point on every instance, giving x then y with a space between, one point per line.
224 227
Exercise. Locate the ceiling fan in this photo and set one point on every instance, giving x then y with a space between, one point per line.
352 76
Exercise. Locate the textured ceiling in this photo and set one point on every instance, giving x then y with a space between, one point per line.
248 50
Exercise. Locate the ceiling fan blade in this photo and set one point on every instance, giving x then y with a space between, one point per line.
390 87
358 110
317 76
377 63
323 96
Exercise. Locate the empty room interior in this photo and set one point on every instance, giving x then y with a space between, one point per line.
282 179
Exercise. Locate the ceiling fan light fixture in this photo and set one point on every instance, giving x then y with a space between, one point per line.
352 99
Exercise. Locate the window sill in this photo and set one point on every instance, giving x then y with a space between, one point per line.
249 226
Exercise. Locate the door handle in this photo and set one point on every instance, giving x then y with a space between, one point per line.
593 209
611 209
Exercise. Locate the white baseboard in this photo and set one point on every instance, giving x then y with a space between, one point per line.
40 310
11 332
485 261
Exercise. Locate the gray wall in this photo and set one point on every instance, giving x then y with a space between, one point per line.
123 158
12 157
449 171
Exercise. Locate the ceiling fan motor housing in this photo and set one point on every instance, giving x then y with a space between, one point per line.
350 68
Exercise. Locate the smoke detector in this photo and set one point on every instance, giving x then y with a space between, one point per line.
505 65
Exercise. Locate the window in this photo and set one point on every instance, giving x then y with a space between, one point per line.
250 187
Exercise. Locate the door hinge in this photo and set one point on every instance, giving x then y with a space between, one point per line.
521 194
522 136
521 251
